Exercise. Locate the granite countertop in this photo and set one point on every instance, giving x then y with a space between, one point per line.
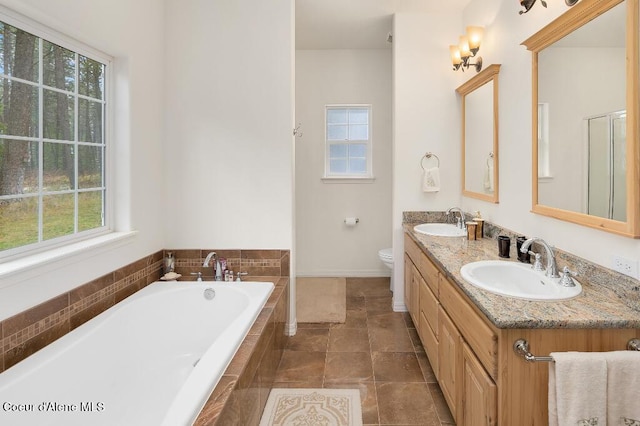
600 305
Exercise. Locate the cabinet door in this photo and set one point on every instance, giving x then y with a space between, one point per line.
478 393
449 361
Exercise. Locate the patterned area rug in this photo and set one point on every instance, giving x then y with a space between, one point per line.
313 407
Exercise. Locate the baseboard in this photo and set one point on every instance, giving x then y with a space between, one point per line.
365 273
399 307
291 328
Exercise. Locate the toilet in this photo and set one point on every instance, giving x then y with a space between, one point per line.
386 255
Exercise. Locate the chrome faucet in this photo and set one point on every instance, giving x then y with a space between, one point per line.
552 268
461 221
217 269
208 259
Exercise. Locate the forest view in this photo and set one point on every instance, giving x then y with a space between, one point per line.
52 143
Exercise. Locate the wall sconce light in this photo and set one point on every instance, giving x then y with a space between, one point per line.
467 48
528 4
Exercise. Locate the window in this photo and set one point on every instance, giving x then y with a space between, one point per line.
348 141
52 141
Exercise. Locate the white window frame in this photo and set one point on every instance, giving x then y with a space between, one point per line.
37 249
365 177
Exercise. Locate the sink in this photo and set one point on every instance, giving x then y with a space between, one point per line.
440 230
517 280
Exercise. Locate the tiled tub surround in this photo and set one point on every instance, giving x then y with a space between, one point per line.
29 331
608 300
240 396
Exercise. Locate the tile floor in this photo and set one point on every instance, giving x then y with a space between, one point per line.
376 350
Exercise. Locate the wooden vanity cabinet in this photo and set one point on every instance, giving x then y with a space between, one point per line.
453 335
484 382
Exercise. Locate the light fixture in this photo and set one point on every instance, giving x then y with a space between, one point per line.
528 4
467 48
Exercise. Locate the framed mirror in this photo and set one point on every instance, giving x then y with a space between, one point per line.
480 135
585 128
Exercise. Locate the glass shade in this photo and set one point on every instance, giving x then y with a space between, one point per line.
464 47
474 36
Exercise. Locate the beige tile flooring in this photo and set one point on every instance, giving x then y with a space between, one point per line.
376 350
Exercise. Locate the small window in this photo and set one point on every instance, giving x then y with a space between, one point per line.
348 141
52 141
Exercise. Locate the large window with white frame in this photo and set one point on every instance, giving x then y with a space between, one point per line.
53 141
348 141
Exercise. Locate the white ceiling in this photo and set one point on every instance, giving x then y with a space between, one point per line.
357 24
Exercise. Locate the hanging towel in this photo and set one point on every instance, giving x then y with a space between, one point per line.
623 388
431 180
578 389
488 178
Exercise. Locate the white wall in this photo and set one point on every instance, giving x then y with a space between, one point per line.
325 246
229 121
133 33
426 118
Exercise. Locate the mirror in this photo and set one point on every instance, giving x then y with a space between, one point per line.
585 117
480 135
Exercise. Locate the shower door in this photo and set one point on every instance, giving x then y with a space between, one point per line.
606 177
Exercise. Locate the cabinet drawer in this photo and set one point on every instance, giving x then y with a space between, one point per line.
429 306
430 343
475 331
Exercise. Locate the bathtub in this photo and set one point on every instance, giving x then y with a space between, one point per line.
152 359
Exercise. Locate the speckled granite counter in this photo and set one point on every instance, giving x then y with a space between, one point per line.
608 300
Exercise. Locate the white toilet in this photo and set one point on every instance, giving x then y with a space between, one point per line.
386 255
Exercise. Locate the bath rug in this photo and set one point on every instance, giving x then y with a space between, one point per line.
321 299
313 407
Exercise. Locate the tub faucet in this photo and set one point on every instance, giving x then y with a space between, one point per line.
552 268
461 221
216 265
208 259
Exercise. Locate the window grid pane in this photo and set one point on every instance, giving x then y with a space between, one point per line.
52 153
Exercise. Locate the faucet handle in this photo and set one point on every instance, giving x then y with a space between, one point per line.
537 263
240 274
565 279
199 274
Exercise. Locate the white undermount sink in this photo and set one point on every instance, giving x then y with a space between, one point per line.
440 230
517 280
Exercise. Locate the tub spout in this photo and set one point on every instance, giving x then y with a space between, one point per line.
208 259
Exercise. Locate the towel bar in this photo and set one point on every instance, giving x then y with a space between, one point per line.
429 155
521 348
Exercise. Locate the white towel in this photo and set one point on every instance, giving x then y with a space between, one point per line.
577 389
488 178
623 388
431 180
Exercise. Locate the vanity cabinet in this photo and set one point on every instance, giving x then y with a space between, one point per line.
447 325
484 382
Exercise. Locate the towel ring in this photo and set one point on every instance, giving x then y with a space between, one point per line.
428 155
489 159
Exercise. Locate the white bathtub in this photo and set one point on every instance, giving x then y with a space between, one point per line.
152 359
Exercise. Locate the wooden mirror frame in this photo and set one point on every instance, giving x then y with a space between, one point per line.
576 17
489 74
